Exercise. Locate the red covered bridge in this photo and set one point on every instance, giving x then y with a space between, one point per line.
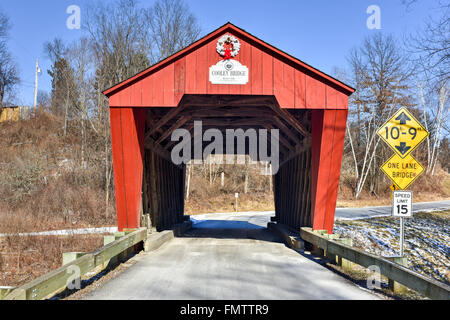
272 90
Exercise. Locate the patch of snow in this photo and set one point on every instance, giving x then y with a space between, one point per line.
65 232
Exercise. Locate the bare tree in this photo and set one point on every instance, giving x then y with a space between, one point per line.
121 45
119 34
64 89
173 27
380 75
80 56
122 36
9 75
5 25
434 102
430 51
432 44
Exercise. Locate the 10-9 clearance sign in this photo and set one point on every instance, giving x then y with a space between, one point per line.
403 134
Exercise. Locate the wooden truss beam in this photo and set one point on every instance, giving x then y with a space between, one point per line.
170 115
155 147
181 122
305 145
285 115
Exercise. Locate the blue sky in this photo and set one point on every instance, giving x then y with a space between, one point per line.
320 32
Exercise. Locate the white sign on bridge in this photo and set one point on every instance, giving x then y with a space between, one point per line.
228 72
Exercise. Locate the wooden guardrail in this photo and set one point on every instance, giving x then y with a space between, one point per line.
396 272
56 281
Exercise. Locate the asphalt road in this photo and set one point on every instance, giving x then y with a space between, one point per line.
261 218
230 258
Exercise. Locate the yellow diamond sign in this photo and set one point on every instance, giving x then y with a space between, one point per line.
394 187
402 172
403 133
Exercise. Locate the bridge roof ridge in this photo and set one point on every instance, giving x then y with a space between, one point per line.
299 64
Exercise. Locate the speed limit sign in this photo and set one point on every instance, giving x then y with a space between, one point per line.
402 204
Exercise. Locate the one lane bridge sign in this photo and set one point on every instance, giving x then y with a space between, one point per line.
403 133
402 172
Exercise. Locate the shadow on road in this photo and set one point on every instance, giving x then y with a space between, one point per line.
226 229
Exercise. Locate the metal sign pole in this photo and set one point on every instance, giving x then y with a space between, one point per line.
402 208
402 235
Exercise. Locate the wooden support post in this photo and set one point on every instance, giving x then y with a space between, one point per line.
119 235
317 251
108 239
276 191
68 257
128 230
307 191
181 192
394 285
153 191
127 136
158 183
4 291
344 263
328 135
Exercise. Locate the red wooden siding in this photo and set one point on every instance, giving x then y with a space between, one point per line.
340 125
328 135
256 71
127 137
269 74
267 69
300 90
147 91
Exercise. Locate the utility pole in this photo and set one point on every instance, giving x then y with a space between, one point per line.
38 70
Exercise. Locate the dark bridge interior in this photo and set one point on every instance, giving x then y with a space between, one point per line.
164 181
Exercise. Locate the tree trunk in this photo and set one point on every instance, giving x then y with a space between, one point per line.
188 185
246 175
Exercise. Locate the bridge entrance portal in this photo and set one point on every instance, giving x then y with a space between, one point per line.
171 113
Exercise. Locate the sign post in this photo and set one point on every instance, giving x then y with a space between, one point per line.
403 134
402 208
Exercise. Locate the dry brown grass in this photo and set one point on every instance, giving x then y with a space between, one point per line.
42 183
212 197
427 188
226 203
23 259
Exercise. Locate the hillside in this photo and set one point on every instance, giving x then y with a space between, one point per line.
43 184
